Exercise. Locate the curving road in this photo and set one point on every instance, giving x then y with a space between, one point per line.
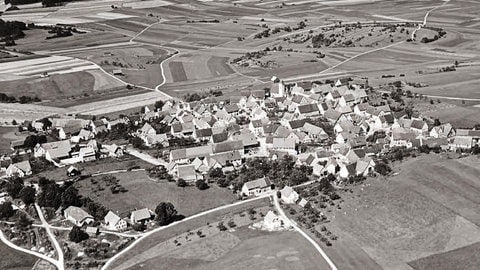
305 235
60 262
426 18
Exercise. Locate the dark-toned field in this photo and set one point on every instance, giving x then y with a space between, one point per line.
145 192
15 260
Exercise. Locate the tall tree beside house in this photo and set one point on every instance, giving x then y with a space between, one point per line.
165 213
70 197
6 210
181 183
23 221
201 184
50 194
14 186
77 235
159 105
27 195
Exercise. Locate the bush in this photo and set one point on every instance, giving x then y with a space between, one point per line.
221 227
201 185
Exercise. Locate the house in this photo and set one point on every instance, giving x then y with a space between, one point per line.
53 151
272 222
113 150
19 169
187 173
140 216
87 154
73 171
77 216
289 195
442 131
114 222
308 110
284 144
146 129
461 142
92 231
256 187
117 72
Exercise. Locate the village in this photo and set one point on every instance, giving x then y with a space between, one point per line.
330 133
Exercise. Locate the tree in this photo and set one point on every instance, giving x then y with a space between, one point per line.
181 183
6 210
70 197
27 195
201 184
159 105
77 235
23 221
14 186
165 213
382 168
138 143
436 122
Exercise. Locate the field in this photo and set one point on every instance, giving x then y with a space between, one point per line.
148 245
429 208
14 260
242 249
7 135
145 192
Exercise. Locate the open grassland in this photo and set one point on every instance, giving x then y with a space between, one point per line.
239 250
15 260
428 208
145 192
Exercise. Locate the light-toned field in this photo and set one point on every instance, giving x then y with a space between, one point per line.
428 208
242 249
145 192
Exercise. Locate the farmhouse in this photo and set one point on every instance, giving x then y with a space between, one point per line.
114 222
77 216
19 169
256 187
140 216
289 195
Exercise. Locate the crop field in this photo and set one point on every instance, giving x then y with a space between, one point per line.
21 112
15 260
428 208
145 192
51 65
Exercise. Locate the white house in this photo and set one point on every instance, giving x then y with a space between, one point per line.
289 195
77 216
20 169
256 187
114 222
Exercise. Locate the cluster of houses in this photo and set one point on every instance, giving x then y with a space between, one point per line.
76 143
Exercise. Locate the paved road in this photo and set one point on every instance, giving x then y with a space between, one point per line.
145 157
36 254
306 236
147 234
60 262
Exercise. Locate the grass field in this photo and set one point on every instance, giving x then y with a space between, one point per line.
242 249
428 208
7 135
144 192
14 260
147 245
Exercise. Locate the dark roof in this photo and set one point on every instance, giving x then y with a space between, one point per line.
308 108
258 94
297 123
203 132
220 137
227 146
305 85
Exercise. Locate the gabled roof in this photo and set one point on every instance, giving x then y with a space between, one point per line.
220 137
186 172
227 146
207 132
78 214
111 218
58 149
259 183
141 214
297 123
308 108
23 166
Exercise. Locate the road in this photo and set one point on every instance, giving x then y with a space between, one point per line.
145 157
425 18
147 234
60 262
36 254
305 235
